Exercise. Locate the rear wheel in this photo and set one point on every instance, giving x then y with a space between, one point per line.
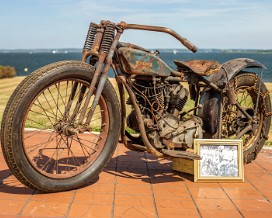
42 140
234 122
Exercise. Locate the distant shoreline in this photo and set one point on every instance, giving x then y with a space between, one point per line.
27 61
165 50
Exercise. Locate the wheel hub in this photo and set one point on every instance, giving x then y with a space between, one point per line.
65 129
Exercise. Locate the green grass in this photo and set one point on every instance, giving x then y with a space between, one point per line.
7 86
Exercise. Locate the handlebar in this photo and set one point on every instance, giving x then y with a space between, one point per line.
171 32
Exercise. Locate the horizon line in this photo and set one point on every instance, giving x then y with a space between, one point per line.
183 49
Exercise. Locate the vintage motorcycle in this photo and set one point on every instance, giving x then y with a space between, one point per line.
63 122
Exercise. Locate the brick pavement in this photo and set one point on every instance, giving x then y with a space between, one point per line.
139 185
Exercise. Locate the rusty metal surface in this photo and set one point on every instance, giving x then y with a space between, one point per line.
104 74
132 63
97 41
184 41
140 62
181 154
123 110
200 67
92 87
230 93
150 148
230 68
130 45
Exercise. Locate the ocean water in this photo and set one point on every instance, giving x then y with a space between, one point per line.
25 63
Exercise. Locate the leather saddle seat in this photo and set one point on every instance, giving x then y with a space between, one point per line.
200 67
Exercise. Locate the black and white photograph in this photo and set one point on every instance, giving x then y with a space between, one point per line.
221 159
218 160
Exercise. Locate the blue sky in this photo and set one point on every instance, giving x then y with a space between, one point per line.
207 23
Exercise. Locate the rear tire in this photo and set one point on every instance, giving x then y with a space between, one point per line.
246 87
63 159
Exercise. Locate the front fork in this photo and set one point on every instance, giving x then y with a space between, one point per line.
106 59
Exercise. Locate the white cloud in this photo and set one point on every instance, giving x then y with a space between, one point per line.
160 11
208 23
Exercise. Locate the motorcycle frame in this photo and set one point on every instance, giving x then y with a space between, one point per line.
110 59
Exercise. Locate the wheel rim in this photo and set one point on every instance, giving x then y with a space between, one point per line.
233 121
51 142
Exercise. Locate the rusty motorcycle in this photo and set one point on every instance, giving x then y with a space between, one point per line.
63 122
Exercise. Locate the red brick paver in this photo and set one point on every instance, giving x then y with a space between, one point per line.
139 185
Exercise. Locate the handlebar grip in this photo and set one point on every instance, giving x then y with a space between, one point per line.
190 46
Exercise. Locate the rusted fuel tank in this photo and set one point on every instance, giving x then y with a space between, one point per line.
139 62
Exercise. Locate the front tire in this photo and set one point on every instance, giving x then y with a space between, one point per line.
39 139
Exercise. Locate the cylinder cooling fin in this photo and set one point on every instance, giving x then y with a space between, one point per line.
179 97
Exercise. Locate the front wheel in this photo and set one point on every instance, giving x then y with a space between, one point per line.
40 136
236 125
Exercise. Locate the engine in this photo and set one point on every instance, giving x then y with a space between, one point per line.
161 104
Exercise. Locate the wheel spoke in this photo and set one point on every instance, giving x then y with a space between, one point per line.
46 127
35 133
84 145
59 93
62 152
36 146
45 96
234 123
56 104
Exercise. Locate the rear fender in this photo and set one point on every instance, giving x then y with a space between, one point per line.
210 99
230 68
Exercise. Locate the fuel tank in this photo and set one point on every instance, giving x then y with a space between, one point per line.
140 62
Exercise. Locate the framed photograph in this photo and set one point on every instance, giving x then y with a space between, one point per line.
221 160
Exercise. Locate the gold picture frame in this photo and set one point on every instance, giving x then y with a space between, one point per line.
222 160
